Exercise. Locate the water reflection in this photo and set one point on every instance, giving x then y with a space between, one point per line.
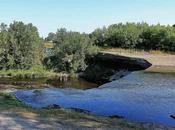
77 83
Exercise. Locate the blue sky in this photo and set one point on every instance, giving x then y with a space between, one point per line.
85 15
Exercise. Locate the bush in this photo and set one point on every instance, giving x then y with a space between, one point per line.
137 36
71 49
20 46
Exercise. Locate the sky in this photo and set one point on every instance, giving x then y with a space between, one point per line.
85 15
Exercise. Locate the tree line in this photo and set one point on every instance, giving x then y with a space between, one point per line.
136 36
132 36
129 36
21 47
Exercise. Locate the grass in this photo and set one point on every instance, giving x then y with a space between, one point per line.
133 51
10 103
33 73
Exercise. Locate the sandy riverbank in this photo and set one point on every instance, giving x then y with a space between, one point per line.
161 62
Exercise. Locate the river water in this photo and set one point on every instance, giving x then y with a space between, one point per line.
76 83
140 97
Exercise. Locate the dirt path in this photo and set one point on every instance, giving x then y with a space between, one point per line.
13 121
30 121
15 117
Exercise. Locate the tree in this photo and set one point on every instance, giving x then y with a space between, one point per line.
135 35
71 49
98 36
3 45
51 37
22 46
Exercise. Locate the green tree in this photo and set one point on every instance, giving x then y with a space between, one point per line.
3 45
71 49
22 46
51 37
136 35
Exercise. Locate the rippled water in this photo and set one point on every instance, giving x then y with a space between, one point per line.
143 97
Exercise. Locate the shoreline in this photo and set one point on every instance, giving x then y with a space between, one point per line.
15 112
161 62
161 69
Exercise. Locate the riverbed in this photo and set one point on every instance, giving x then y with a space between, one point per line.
139 97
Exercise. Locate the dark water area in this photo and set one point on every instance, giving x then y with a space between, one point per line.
140 97
76 83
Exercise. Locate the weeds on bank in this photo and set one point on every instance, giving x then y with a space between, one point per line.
37 72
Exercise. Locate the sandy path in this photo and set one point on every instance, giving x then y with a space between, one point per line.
160 62
155 59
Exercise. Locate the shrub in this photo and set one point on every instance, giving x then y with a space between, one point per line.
71 49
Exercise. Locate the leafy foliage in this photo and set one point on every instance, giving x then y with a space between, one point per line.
138 36
71 49
20 46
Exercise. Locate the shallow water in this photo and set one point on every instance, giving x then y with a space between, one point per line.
77 83
143 97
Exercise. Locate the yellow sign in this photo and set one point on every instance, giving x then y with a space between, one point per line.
48 45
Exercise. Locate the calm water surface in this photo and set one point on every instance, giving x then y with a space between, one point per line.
76 83
142 97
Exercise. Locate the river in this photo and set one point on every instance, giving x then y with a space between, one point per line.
140 97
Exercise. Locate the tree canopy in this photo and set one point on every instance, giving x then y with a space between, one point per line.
71 49
20 46
136 35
